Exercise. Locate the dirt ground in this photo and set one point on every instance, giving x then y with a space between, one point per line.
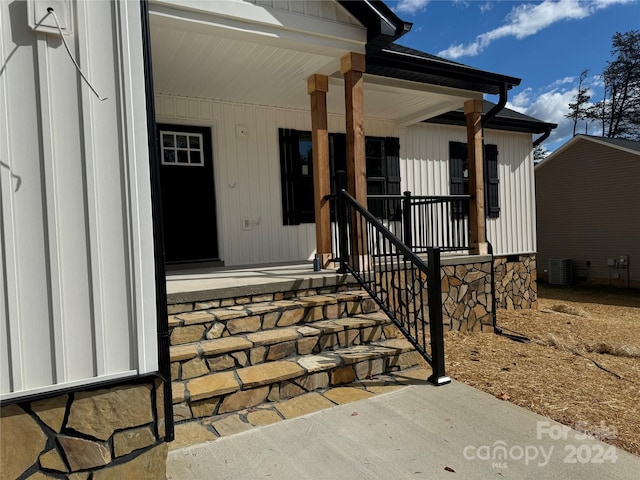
581 367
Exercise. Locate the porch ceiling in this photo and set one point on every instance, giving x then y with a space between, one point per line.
200 62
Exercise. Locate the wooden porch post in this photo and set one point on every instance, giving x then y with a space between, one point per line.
317 87
352 66
473 112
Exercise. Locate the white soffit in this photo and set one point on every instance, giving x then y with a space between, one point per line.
247 21
204 50
203 66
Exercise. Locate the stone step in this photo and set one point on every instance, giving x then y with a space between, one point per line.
208 299
241 350
230 391
212 323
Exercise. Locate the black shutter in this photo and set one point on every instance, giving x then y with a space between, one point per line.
457 161
492 181
458 183
338 157
288 172
392 154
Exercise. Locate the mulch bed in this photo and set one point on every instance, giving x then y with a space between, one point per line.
581 367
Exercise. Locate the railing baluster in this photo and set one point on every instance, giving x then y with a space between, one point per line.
406 219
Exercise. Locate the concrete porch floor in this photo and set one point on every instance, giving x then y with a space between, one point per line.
207 283
196 284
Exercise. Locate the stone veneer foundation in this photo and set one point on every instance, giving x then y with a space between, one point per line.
516 282
466 294
466 289
105 433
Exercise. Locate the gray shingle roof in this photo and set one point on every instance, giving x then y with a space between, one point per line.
619 142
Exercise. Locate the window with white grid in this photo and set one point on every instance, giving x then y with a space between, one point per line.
181 149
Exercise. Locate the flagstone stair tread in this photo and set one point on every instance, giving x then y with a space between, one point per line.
223 314
246 341
218 384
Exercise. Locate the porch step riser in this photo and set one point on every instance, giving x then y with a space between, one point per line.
216 323
252 386
191 361
207 303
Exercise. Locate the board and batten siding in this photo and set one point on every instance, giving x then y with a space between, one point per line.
331 11
424 167
77 269
588 200
247 175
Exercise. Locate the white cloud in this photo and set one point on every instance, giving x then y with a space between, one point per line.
552 106
461 4
528 19
597 81
486 7
551 103
563 81
521 101
411 6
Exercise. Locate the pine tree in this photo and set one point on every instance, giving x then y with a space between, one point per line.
619 110
578 110
539 154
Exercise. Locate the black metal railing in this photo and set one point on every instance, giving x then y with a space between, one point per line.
425 221
421 222
405 287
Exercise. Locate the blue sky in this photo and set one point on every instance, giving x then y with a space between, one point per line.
545 43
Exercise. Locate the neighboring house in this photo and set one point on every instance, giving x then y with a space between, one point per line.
588 198
249 95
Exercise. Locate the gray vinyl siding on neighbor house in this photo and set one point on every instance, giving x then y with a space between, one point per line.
588 201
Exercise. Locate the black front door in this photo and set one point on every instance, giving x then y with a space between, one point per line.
188 197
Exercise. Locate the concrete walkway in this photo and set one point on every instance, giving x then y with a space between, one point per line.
417 432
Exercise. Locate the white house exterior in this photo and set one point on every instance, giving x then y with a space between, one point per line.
76 205
82 271
261 88
247 175
79 345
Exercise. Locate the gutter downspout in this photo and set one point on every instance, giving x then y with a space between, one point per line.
496 329
164 359
496 108
542 137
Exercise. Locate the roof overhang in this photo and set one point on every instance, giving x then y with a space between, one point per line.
249 53
397 62
508 120
383 25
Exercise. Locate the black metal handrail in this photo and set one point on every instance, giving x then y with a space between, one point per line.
406 288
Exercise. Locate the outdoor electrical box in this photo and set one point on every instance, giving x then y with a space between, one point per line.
41 20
